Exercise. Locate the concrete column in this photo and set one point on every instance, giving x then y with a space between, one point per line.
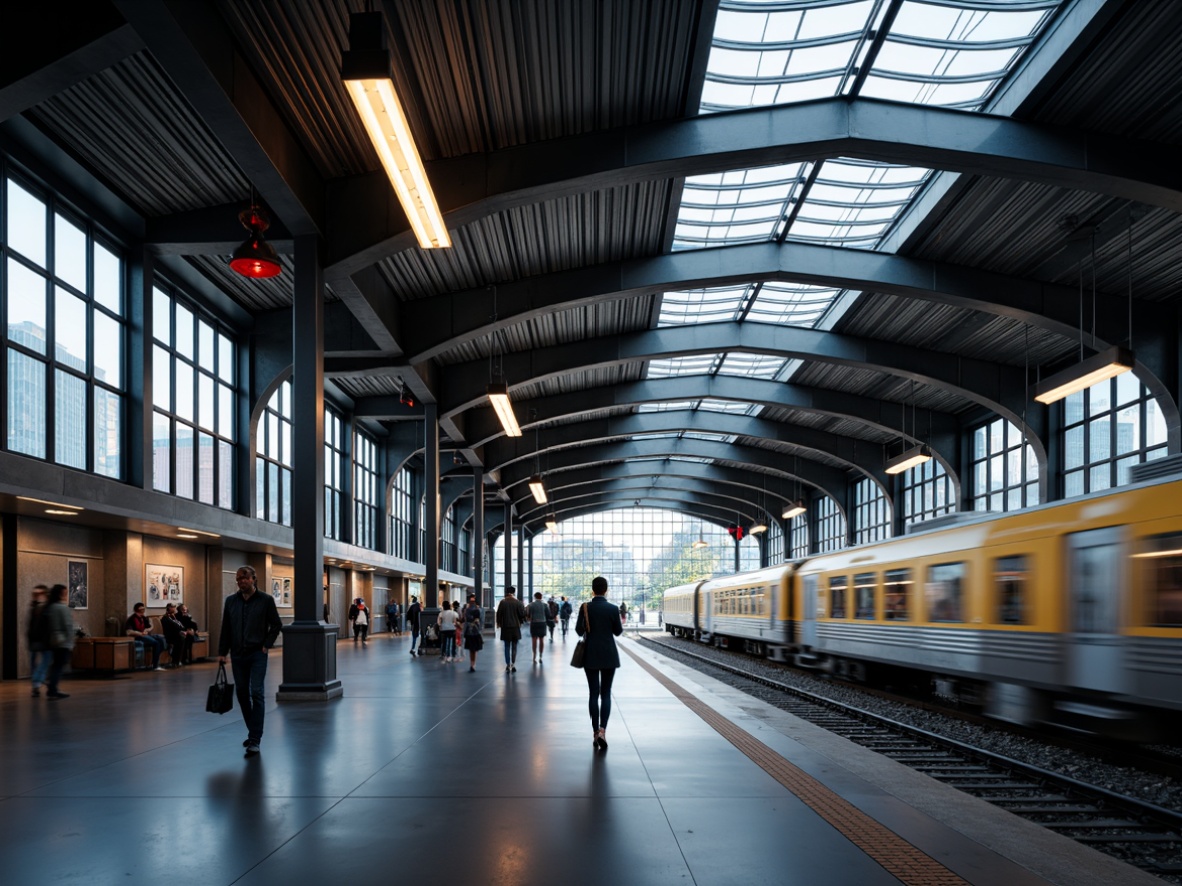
431 552
507 545
309 645
484 598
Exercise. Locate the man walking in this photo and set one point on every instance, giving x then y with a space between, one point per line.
37 633
510 617
412 623
564 612
538 613
250 626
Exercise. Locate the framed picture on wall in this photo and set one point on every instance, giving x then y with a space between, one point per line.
286 601
277 590
163 585
76 582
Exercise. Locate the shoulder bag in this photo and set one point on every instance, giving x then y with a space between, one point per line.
576 659
221 694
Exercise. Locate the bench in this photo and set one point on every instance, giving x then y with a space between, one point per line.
108 654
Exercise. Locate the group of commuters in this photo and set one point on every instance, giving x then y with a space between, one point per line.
179 632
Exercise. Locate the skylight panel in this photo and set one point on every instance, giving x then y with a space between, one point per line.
667 406
739 206
791 304
730 407
692 306
708 437
751 365
676 367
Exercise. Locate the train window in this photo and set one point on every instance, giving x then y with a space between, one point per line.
1010 577
944 592
897 595
864 585
837 588
1162 559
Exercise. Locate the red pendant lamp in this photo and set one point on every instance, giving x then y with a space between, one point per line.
255 258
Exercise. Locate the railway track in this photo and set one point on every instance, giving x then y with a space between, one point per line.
1138 833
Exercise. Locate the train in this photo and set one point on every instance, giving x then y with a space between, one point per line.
1066 614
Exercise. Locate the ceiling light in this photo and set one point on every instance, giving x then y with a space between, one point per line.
757 528
405 397
255 258
794 510
365 68
60 512
552 524
498 396
198 531
186 535
52 504
1096 368
914 456
701 542
538 490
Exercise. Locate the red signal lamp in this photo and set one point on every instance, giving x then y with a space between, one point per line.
255 258
736 532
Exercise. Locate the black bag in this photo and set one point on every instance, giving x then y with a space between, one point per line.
221 694
576 659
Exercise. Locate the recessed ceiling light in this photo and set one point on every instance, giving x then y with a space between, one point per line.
61 513
185 535
198 531
52 504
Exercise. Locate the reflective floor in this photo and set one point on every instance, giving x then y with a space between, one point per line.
422 770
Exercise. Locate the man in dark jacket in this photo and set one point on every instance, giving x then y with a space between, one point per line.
250 626
412 622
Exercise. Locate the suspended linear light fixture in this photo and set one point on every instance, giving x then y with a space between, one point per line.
1100 366
701 542
537 488
255 258
498 396
916 455
552 524
365 68
796 508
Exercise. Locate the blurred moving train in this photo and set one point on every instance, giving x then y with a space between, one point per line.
1067 614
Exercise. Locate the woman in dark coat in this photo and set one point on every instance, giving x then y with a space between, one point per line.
599 625
473 631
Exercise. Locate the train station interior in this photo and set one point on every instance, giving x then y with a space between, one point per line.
407 300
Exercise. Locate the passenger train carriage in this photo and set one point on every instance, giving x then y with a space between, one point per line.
1069 613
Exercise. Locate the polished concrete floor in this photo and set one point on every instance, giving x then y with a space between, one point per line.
422 773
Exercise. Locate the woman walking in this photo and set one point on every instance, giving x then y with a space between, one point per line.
447 633
61 638
599 624
473 631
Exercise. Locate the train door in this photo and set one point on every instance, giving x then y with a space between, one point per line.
808 615
1094 657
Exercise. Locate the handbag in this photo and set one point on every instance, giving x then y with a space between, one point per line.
221 694
576 659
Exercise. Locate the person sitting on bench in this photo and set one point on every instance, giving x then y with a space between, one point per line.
140 627
180 641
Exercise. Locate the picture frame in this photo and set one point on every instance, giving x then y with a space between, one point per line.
77 584
163 585
286 601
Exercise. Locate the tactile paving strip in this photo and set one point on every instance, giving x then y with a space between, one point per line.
900 858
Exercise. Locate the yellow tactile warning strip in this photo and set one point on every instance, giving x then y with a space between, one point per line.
900 858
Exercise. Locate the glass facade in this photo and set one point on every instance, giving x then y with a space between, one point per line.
193 401
334 472
927 492
366 495
1106 430
273 459
402 516
872 512
65 334
830 525
1003 470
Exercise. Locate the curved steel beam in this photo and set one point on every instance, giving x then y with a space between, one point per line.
362 208
445 321
506 453
882 415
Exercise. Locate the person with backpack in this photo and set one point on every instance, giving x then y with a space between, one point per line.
551 616
564 613
359 615
37 633
412 623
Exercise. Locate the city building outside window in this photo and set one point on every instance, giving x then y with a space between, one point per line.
927 492
193 401
1003 469
65 335
872 512
1106 430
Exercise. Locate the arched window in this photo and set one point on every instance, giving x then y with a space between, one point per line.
872 512
334 472
1106 430
775 543
1004 471
830 525
927 492
402 532
800 535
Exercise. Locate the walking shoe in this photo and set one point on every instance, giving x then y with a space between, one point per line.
470 670
412 652
36 692
158 668
246 741
56 695
513 669
252 749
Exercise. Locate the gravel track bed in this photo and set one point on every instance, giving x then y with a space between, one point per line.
1152 788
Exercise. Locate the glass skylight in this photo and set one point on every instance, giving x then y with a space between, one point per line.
740 206
688 306
732 407
699 364
791 304
751 365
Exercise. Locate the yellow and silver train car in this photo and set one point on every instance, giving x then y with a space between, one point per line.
1068 613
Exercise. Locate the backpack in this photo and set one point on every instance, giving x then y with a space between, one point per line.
565 610
39 626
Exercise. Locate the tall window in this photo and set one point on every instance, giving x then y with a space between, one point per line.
448 555
830 525
334 472
65 334
800 534
402 522
1106 430
464 566
927 493
273 459
872 512
775 543
192 402
1004 472
366 501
